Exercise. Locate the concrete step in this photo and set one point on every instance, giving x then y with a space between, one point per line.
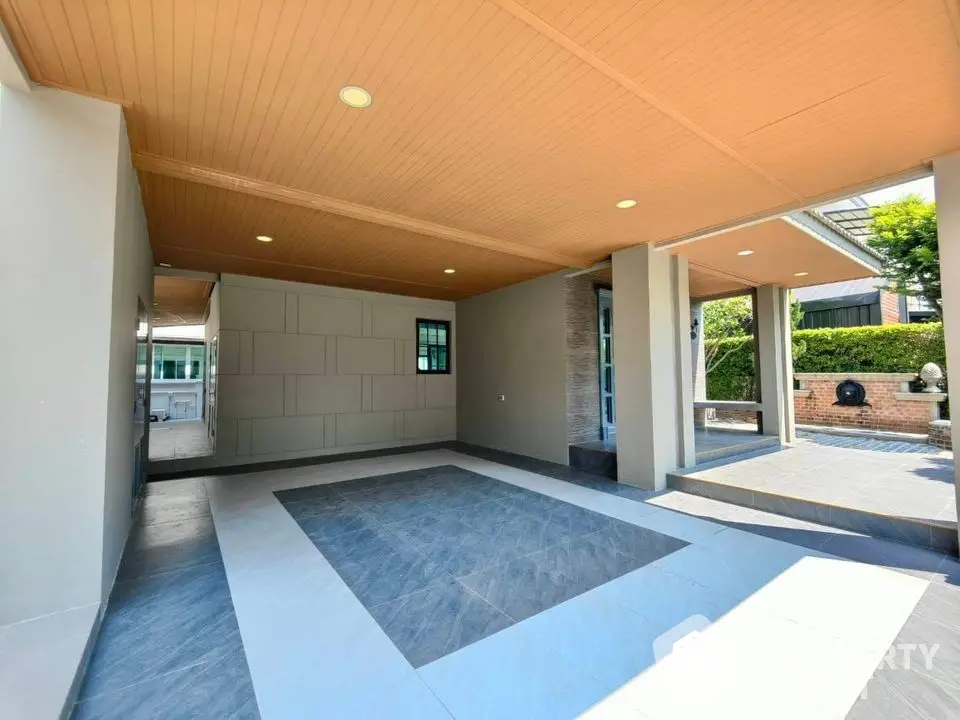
930 534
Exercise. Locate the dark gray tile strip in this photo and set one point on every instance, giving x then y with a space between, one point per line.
920 676
169 644
294 462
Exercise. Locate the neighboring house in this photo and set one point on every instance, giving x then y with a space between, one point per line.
849 304
177 389
856 302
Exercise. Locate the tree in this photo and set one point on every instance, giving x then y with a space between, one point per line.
732 318
904 232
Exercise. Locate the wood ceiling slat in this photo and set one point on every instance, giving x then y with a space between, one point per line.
517 120
307 238
43 43
326 18
234 41
349 34
179 301
78 19
780 250
289 49
275 24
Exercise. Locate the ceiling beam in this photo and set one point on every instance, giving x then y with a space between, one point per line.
333 271
160 270
625 81
743 280
146 162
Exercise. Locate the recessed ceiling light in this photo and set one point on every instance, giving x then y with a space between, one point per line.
165 265
624 204
264 238
355 96
449 271
801 274
744 253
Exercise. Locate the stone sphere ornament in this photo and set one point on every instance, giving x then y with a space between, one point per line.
931 374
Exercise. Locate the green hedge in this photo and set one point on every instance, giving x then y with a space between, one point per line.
873 348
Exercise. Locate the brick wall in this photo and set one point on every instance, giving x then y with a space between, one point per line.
939 435
892 407
583 360
889 308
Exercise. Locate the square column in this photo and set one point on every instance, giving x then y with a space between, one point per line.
652 356
698 349
774 356
946 172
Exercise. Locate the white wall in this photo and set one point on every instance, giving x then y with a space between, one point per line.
60 488
312 370
132 279
512 342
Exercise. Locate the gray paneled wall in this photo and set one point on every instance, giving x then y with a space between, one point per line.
307 370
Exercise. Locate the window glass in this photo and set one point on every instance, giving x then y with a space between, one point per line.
433 346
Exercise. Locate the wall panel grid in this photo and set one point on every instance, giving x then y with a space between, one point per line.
309 370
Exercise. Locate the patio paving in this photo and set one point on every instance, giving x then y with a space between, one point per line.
833 475
710 443
177 439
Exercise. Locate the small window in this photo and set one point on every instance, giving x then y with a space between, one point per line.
433 347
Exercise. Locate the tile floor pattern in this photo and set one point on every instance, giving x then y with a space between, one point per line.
169 645
444 557
796 632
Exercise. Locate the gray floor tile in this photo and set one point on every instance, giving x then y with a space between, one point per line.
387 512
418 531
470 552
881 700
427 529
164 547
522 588
169 645
575 520
584 562
390 576
945 663
336 522
444 617
136 646
941 603
488 515
876 551
220 689
640 543
361 546
931 700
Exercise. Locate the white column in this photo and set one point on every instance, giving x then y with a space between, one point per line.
651 343
698 349
946 172
774 355
680 278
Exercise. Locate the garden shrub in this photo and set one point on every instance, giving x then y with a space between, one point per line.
872 348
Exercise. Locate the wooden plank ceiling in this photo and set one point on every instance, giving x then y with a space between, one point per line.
501 132
179 301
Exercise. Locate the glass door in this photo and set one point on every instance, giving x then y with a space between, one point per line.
605 325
